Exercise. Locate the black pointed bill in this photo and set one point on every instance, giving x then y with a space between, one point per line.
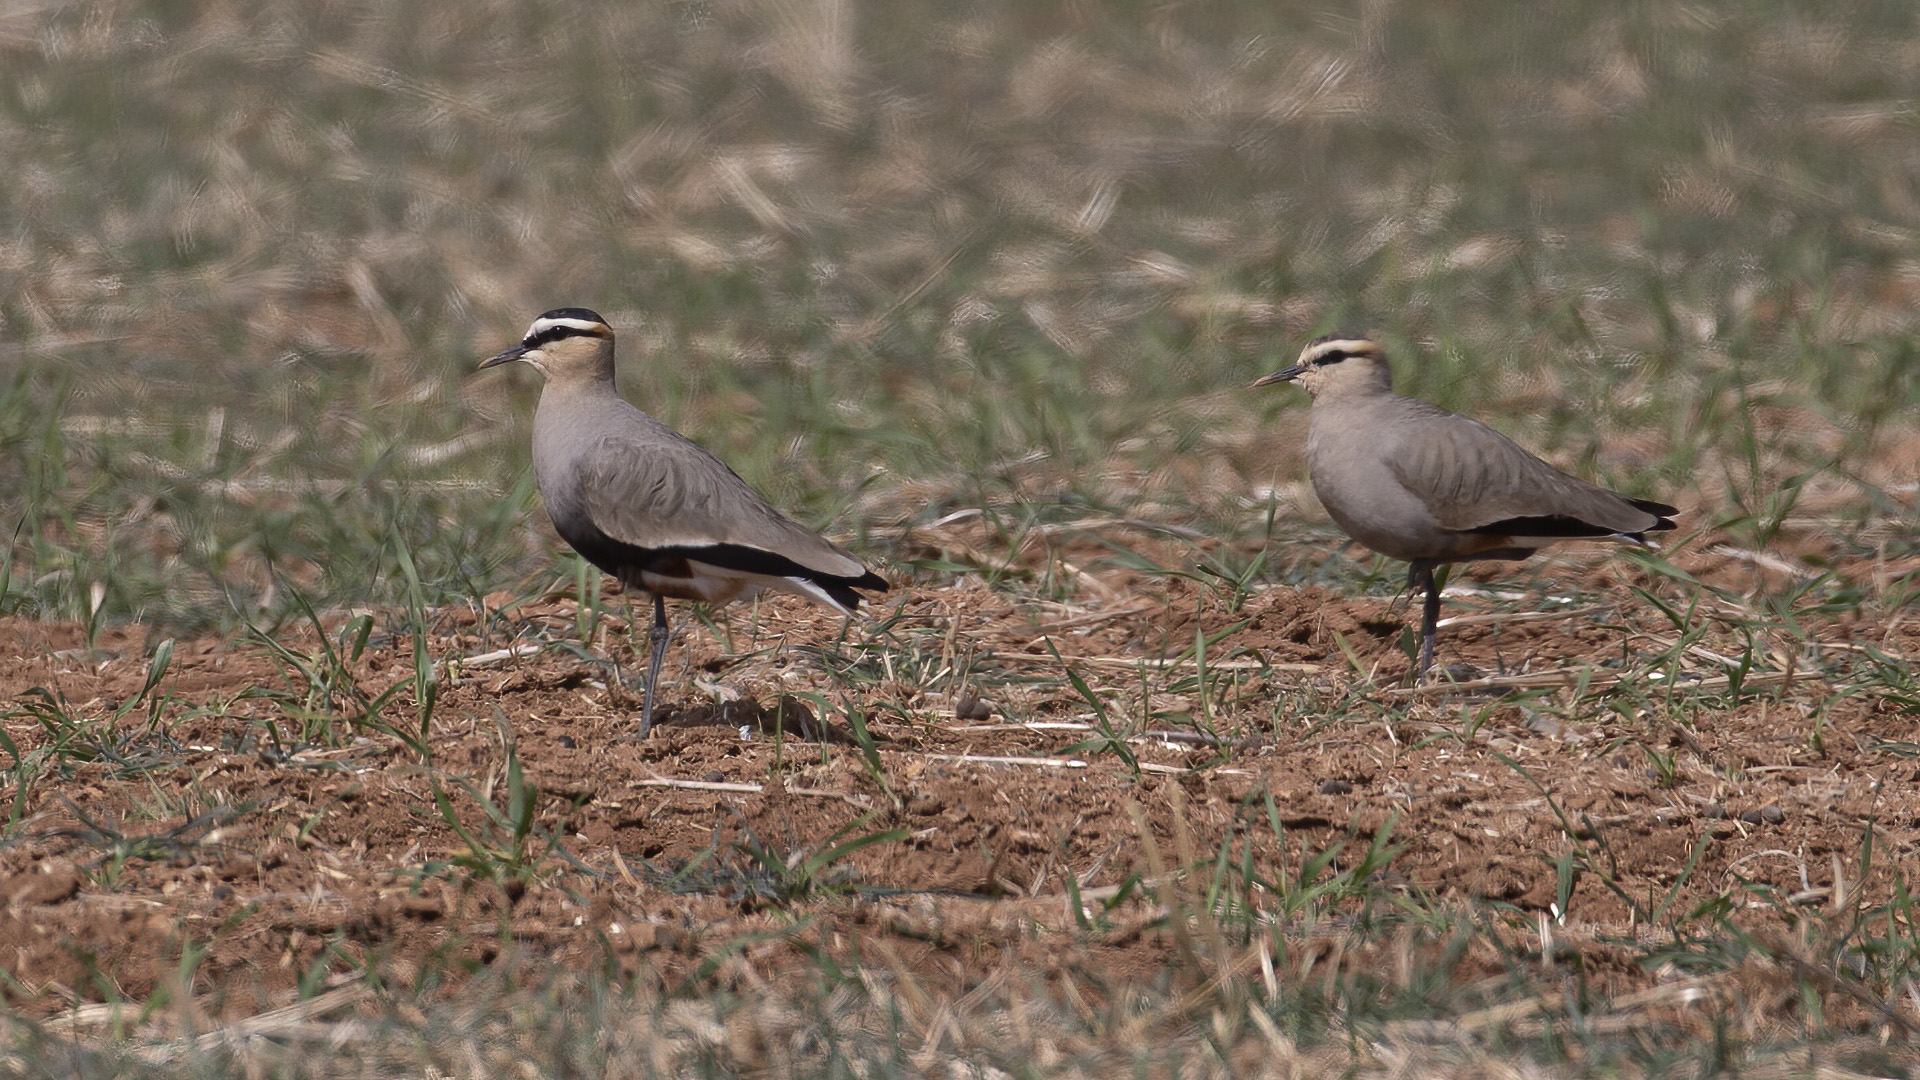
1285 374
506 356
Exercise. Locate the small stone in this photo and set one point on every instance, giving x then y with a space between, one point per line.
1333 786
970 706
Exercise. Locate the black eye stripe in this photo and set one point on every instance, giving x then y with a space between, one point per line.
547 335
1330 358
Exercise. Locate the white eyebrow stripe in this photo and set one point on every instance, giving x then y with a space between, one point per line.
577 324
1346 345
572 324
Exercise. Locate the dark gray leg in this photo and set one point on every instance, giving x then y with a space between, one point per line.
1421 573
657 651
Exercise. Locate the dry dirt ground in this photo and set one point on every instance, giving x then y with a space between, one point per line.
198 843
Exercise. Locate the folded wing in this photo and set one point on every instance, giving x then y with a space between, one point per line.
654 503
1475 480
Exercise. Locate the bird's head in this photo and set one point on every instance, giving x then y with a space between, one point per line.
563 343
1337 364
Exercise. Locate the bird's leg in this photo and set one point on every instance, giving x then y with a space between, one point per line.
1406 591
657 652
1421 573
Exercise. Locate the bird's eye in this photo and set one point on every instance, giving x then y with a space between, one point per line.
1329 358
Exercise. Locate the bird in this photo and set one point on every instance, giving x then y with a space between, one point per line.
651 507
1413 481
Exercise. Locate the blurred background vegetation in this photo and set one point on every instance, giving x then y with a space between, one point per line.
893 259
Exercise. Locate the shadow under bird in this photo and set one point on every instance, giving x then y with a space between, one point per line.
647 505
1416 482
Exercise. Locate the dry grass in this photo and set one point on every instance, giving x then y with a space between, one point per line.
883 1026
941 259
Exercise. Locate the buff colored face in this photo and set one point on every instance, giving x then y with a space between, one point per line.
555 340
1331 361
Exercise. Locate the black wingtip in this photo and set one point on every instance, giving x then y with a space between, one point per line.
1661 510
842 589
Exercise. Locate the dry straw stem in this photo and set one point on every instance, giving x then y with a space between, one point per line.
298 1022
1062 763
1621 1014
1163 663
852 798
1593 679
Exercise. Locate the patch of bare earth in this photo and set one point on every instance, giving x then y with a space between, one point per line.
201 824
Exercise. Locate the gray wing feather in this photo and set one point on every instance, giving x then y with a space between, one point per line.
1471 476
649 486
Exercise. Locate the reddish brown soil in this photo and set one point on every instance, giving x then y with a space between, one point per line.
206 828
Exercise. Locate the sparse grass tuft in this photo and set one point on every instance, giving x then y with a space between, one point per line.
507 848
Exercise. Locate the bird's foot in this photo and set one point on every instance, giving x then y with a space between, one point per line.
1454 673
